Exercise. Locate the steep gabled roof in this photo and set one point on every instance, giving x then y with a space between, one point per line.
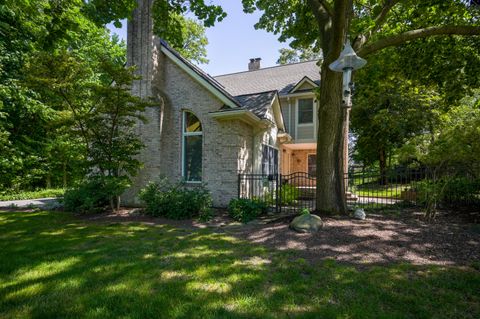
208 80
280 78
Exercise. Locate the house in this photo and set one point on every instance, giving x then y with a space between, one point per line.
209 129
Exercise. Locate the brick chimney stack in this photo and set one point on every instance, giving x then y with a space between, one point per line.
254 64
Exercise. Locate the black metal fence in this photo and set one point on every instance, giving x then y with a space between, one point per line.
293 192
457 187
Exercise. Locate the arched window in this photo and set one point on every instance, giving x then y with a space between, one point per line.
192 148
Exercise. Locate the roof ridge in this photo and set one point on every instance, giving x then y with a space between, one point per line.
261 69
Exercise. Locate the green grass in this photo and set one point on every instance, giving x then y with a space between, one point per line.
42 193
55 266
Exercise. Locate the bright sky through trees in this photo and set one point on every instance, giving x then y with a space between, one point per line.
234 41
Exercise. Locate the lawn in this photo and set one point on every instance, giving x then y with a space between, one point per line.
41 193
55 265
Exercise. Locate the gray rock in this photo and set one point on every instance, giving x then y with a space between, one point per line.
306 223
359 214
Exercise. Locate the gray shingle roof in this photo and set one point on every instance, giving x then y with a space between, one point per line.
257 103
281 78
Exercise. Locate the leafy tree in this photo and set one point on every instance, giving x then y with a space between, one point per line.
193 42
373 25
288 55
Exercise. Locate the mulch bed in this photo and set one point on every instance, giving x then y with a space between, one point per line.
380 239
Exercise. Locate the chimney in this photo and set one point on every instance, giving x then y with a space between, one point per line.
254 64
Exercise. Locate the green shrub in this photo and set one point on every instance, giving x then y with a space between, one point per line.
176 201
446 191
289 194
94 196
245 210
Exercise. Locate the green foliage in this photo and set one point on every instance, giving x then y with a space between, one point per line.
176 201
305 211
57 67
289 194
449 191
300 55
94 195
245 210
40 193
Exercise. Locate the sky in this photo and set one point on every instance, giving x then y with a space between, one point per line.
233 41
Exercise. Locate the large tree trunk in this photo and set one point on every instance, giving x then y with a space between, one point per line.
330 197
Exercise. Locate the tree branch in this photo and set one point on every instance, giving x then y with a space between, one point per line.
326 7
379 22
323 18
382 16
417 34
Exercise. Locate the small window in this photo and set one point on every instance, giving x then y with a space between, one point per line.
192 148
305 111
312 164
269 160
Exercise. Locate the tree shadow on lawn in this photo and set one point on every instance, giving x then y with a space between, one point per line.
52 265
378 240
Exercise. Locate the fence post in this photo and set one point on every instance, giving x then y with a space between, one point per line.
277 193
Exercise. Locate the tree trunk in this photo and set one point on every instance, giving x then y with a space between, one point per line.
330 193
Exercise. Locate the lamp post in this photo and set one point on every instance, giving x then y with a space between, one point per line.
346 63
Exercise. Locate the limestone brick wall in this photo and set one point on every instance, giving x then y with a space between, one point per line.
227 145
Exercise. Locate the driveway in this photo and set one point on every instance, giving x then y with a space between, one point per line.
29 203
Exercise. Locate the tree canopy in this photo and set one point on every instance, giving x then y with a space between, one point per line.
372 26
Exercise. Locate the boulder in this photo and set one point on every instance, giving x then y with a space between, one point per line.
306 223
359 214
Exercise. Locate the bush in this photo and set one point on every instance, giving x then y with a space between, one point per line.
245 210
289 194
459 190
94 195
176 201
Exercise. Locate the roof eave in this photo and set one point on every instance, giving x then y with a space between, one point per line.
243 115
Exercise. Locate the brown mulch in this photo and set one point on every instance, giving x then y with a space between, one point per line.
377 240
380 239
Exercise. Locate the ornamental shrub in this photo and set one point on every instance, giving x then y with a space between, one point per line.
245 210
176 201
94 195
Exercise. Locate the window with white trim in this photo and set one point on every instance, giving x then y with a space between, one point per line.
192 140
269 160
305 111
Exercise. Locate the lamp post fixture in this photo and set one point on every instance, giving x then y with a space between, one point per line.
346 63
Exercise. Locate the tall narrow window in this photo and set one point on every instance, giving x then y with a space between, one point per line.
305 111
269 160
192 148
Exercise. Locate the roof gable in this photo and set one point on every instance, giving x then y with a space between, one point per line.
203 78
303 85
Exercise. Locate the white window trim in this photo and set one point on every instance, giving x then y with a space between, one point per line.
313 112
184 135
